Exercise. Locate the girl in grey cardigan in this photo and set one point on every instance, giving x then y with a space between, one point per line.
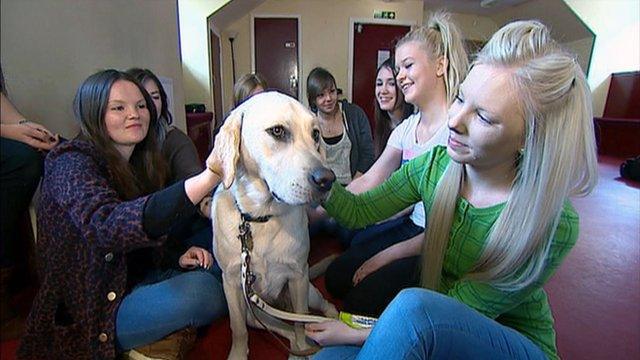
348 156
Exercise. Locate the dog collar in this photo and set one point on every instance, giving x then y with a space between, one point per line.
247 217
259 219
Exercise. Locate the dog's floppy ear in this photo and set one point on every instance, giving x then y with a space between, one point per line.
227 146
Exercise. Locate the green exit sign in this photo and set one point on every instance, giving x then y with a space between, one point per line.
379 14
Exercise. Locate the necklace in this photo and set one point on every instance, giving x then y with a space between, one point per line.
331 127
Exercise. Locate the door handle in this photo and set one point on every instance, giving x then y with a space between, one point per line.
293 82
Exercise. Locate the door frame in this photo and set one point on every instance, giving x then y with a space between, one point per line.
352 23
212 75
298 44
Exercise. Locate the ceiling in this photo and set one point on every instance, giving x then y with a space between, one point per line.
232 11
564 24
556 14
473 6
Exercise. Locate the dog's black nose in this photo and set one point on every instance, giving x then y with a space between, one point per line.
322 178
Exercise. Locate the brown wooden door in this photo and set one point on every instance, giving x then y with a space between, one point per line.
276 53
368 41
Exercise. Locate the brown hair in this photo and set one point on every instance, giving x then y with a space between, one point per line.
382 129
245 85
319 80
165 119
146 171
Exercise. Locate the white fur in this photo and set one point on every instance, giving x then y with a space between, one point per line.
256 165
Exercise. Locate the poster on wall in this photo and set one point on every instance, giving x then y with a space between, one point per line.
383 55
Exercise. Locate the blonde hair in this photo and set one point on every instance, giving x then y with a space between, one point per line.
558 160
245 85
441 38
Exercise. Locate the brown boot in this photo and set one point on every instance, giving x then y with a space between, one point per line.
173 347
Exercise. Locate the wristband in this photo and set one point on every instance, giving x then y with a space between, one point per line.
357 321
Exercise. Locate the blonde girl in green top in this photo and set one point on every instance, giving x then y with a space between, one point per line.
521 142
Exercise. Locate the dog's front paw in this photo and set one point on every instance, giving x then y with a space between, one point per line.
303 347
296 357
303 352
238 353
330 311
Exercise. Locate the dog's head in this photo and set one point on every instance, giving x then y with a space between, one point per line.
274 139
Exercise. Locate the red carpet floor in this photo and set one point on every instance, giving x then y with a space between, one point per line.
595 295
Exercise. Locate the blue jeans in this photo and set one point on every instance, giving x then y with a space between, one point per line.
169 301
423 324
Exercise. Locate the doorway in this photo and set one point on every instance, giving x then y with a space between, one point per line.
216 77
371 42
276 53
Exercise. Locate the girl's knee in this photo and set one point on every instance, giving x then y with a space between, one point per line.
411 298
206 301
416 300
423 302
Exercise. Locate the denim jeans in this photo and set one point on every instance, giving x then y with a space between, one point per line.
423 324
169 301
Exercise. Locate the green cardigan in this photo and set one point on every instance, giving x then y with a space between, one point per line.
526 310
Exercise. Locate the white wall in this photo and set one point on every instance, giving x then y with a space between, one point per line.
194 46
582 49
472 27
325 34
49 47
617 46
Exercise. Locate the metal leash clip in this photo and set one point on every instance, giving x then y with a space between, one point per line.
245 236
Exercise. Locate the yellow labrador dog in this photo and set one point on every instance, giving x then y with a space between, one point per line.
274 167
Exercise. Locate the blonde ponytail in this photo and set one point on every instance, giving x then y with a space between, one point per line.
452 49
441 38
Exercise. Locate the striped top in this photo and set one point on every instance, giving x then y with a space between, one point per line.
526 310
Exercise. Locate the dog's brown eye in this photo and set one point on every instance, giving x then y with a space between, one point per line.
316 135
278 132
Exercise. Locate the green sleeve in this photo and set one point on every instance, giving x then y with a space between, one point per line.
493 302
401 190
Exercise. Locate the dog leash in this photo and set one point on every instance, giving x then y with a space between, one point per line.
251 297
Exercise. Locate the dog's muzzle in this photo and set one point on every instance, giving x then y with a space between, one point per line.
322 178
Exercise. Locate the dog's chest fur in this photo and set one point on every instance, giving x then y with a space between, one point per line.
280 245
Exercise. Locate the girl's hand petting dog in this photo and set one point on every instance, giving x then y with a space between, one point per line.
195 257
